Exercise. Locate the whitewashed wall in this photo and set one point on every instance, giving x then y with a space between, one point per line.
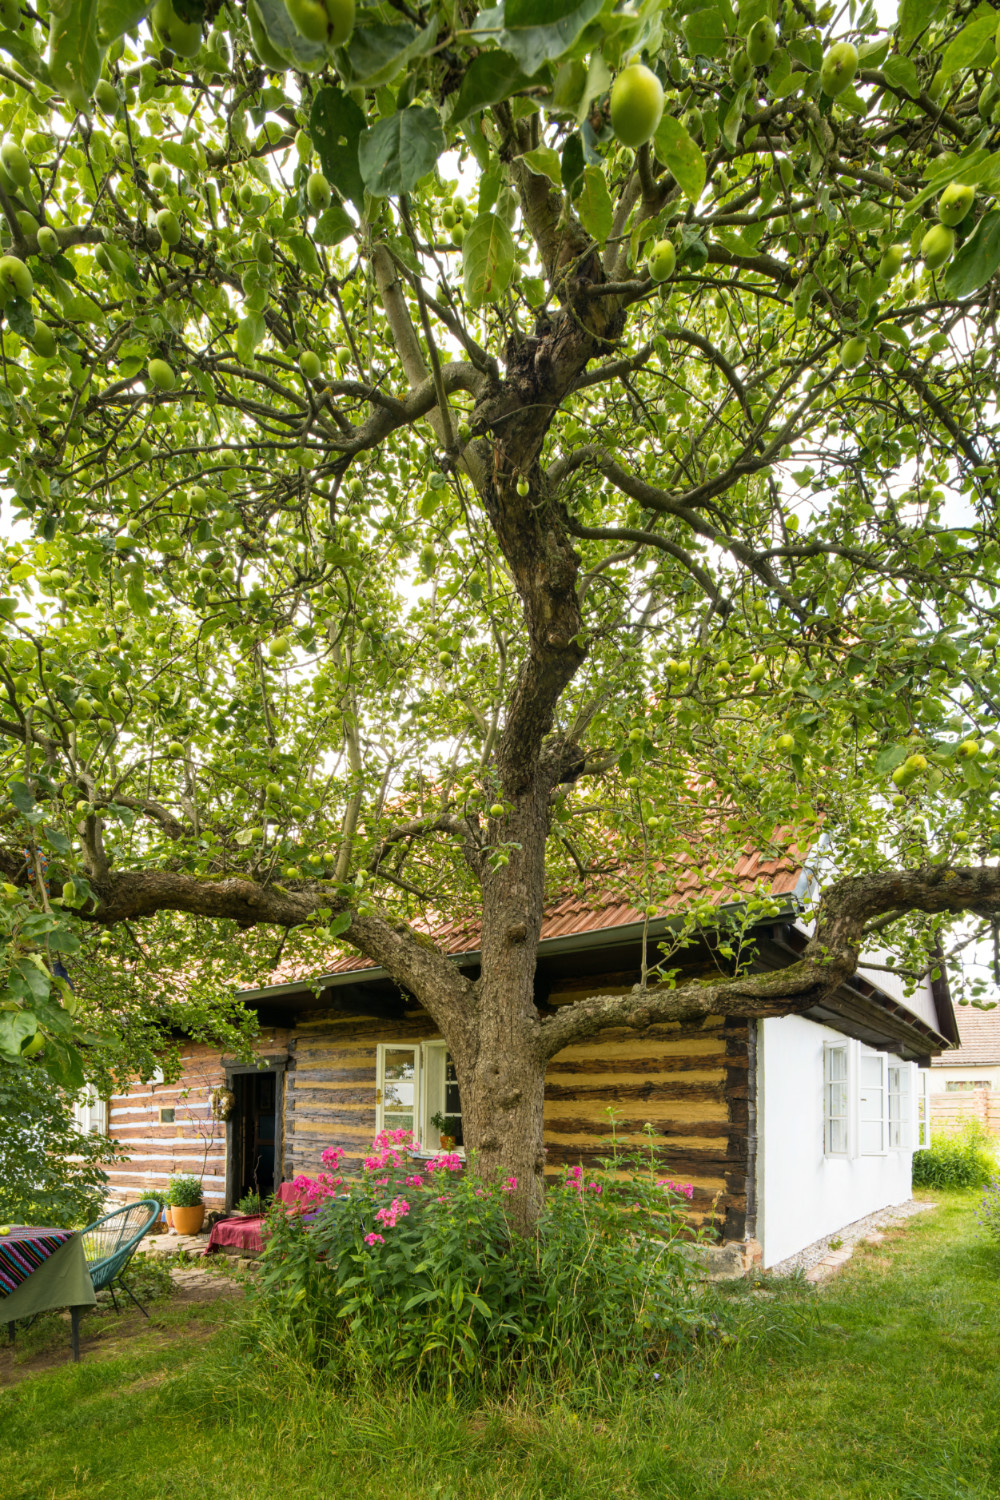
803 1195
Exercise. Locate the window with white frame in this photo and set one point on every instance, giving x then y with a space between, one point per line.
922 1115
90 1112
898 1075
415 1083
836 1099
872 1091
871 1101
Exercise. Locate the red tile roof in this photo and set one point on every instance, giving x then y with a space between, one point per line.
980 1033
576 913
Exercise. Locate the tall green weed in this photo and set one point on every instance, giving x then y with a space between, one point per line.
961 1158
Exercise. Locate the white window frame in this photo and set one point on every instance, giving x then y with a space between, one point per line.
430 1062
899 1125
830 1049
381 1051
90 1112
868 1055
922 1107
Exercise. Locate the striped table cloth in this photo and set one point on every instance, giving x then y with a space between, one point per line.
22 1250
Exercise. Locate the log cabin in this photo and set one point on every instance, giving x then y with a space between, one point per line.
788 1128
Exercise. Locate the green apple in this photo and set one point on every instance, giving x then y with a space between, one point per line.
785 743
662 260
632 781
968 749
16 162
15 276
756 672
761 42
954 203
852 352
48 241
523 486
176 749
310 364
159 176
838 68
310 18
636 105
740 70
497 810
169 226
937 246
106 96
318 192
162 375
280 646
445 658
274 791
182 37
891 262
341 13
44 340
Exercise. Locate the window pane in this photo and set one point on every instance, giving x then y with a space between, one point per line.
399 1088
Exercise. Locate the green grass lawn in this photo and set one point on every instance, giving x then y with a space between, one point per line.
882 1384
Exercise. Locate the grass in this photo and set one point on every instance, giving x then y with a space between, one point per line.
881 1385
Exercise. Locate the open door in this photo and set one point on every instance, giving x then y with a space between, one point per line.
253 1135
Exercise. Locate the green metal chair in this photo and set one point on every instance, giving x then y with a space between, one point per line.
110 1243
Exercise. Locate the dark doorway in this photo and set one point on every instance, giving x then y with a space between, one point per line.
254 1118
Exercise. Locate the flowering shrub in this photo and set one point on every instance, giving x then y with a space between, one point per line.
415 1272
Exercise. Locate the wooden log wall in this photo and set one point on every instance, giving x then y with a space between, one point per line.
195 1144
690 1082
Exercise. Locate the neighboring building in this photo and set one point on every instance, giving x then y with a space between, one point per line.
965 1083
788 1128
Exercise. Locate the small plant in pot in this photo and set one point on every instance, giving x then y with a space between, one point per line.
449 1128
187 1204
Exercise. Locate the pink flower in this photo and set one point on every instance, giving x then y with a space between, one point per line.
397 1209
381 1182
333 1156
415 1181
595 1187
374 1239
509 1185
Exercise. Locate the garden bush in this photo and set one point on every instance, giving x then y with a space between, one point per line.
961 1158
414 1275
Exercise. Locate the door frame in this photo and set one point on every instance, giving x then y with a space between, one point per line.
272 1063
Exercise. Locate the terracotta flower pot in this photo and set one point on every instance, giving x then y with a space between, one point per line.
189 1220
447 1142
168 1211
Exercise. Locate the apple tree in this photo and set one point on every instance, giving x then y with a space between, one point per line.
458 454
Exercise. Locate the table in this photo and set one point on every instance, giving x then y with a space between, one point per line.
42 1268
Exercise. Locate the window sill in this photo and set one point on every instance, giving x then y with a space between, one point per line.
431 1155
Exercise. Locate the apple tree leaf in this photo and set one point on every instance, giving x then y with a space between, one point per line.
977 260
336 125
489 78
902 73
593 205
75 54
973 47
398 151
682 154
487 259
544 162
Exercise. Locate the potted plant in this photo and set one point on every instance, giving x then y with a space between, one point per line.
448 1127
187 1204
250 1206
